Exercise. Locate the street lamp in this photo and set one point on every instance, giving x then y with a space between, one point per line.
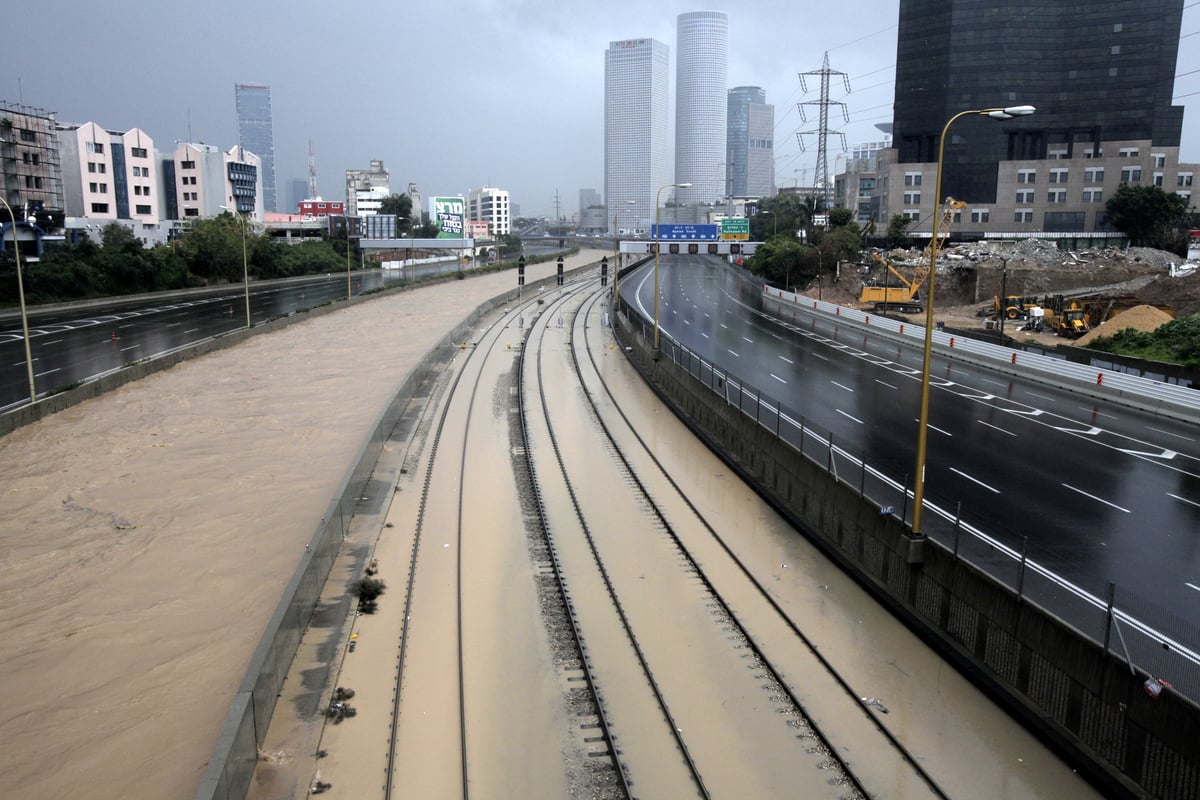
617 248
923 418
657 247
21 291
245 262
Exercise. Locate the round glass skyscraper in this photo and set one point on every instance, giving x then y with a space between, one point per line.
701 105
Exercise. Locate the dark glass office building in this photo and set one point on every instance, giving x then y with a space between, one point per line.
255 133
1097 72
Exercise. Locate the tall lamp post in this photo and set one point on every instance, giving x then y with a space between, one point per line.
245 262
657 247
21 291
923 417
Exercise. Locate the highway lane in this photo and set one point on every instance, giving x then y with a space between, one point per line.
1092 491
75 344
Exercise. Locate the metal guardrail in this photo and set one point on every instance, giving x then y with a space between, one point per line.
1165 399
1129 626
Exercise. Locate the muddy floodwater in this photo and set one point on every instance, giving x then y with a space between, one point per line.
147 535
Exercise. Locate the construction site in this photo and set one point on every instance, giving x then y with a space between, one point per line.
1030 290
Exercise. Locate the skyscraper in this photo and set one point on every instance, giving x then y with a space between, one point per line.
701 104
1097 72
255 133
750 165
636 164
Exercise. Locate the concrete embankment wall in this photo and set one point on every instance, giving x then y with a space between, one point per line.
1081 699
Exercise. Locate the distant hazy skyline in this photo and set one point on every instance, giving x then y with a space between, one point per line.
507 94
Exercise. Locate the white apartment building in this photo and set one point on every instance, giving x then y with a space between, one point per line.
111 176
490 205
368 183
207 182
701 105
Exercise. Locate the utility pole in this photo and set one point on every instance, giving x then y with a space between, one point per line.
822 132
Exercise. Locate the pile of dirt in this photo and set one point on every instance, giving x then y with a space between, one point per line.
1141 318
1181 294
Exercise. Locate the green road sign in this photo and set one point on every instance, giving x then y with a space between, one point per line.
735 228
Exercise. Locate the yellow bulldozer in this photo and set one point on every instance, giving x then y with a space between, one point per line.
905 296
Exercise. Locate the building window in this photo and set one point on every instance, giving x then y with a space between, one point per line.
92 187
1023 215
912 198
1187 196
1025 196
1131 174
95 147
912 179
138 152
1058 176
137 189
980 215
1027 176
191 212
1129 152
912 214
1160 160
1157 179
145 172
1184 179
104 188
1056 154
33 182
1056 196
1093 175
91 166
187 164
99 208
143 210
1093 195
101 167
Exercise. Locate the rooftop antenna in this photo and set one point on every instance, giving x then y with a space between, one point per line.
312 171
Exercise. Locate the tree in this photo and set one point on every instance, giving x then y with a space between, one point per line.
785 262
897 232
401 206
1149 216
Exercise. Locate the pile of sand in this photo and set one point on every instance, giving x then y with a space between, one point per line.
1141 318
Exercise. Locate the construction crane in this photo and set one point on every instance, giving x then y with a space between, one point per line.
905 297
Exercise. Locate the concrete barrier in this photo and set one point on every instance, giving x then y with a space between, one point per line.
1078 696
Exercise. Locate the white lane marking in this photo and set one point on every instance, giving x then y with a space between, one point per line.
848 416
885 383
723 325
735 355
131 347
1184 500
995 427
1156 430
1097 499
788 360
939 430
842 386
745 339
994 383
705 335
776 377
975 480
47 372
1192 586
1043 396
818 355
193 330
687 322
1098 413
56 341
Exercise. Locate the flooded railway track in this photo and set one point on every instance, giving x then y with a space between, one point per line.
564 621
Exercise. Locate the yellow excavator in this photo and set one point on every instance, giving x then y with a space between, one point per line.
906 296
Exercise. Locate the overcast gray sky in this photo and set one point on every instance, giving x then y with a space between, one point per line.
450 95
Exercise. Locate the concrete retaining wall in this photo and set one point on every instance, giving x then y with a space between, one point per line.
1080 698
